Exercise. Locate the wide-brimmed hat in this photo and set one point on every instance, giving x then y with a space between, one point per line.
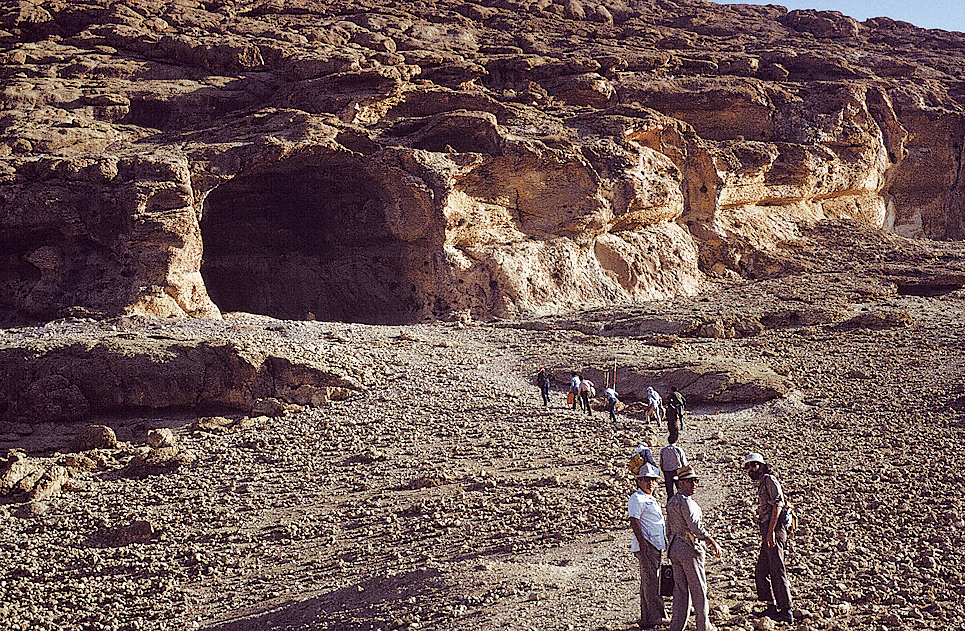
647 470
685 473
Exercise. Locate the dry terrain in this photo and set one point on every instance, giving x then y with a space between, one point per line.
443 496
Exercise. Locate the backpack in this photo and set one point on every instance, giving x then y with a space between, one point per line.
788 519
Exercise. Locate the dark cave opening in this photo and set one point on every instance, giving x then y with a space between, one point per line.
303 242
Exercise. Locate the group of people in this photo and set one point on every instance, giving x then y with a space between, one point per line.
581 391
684 538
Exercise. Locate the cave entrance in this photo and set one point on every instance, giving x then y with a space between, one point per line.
305 241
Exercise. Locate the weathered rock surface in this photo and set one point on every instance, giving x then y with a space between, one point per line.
75 369
388 162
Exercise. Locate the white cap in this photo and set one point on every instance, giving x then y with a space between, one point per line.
753 457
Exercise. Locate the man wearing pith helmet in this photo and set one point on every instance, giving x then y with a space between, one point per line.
688 552
648 543
770 573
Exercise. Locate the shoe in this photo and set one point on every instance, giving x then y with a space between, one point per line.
784 615
770 612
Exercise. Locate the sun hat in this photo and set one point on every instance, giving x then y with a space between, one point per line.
753 457
685 473
647 470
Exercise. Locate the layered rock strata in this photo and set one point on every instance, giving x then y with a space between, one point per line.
391 162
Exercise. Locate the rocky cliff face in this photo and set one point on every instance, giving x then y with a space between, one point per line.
394 161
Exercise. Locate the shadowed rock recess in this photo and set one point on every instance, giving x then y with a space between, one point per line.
390 162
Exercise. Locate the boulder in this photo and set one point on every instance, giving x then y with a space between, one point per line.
162 437
95 437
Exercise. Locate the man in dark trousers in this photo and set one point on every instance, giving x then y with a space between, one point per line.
543 383
675 412
770 573
648 543
672 458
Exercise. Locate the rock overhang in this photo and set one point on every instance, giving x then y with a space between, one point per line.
419 134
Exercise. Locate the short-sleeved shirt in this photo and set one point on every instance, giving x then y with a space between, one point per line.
683 516
586 385
610 394
644 508
672 458
770 497
574 383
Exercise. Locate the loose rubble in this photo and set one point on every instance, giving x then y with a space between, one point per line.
444 496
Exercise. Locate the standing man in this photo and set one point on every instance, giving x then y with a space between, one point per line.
587 390
648 543
611 402
675 412
672 458
575 388
770 573
543 381
687 554
654 406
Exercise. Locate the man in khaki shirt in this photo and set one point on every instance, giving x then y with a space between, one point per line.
770 572
688 553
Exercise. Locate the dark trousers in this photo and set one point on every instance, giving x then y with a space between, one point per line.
545 391
611 407
651 604
669 482
585 399
770 573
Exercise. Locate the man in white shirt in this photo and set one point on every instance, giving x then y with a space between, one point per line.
654 406
648 543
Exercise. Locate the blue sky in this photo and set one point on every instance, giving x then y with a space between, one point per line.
944 14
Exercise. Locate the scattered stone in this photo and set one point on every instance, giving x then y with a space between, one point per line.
157 461
95 437
162 437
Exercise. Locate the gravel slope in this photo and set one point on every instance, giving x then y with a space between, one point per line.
445 497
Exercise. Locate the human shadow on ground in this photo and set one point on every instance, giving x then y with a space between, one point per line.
381 602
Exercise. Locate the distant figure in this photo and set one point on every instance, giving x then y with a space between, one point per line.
688 553
587 391
574 389
611 402
642 455
648 542
543 383
672 458
654 406
770 573
675 410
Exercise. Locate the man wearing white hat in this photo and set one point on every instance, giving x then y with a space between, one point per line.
770 573
648 543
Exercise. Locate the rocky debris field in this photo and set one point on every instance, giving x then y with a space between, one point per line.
440 494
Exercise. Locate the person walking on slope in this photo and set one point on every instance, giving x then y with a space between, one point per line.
575 388
642 455
543 383
648 542
672 458
586 392
611 402
688 553
770 573
654 406
675 412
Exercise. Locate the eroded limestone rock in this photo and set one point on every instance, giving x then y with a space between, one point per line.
449 158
